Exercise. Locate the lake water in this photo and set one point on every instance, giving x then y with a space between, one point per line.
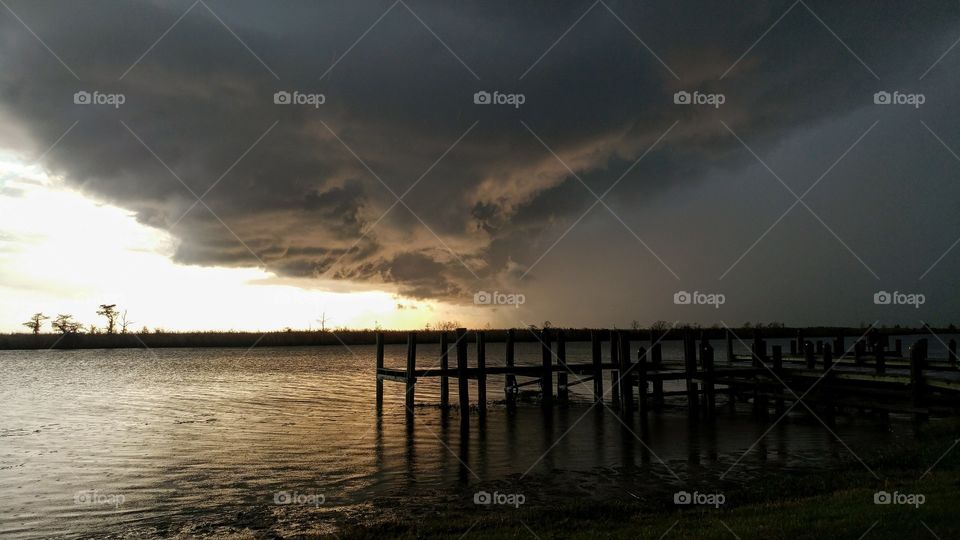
205 442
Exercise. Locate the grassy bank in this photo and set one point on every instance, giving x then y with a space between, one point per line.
830 504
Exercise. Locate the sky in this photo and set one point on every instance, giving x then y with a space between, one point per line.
253 166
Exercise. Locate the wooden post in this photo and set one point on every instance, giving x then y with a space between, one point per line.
562 392
819 346
615 372
597 366
411 372
546 375
463 384
730 356
511 380
690 367
839 346
445 367
808 352
918 357
952 352
379 367
626 375
827 357
858 351
656 362
793 347
801 342
641 370
881 361
481 373
778 369
706 355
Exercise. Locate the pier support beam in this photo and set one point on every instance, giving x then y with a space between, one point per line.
481 374
445 366
626 374
546 377
709 391
379 367
562 391
597 359
411 373
510 387
918 357
463 386
778 370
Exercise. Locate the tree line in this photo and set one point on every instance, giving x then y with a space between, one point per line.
66 324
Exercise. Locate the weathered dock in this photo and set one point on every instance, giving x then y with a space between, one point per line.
869 375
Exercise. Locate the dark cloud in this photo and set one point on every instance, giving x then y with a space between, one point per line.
310 198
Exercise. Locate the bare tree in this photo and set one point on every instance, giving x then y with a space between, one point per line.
36 322
124 323
448 325
65 324
323 321
109 311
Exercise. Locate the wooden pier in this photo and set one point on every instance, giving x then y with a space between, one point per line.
823 374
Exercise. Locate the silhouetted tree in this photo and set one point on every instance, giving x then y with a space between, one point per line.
124 323
109 311
447 326
65 324
36 322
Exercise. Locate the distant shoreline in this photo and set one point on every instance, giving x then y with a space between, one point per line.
304 338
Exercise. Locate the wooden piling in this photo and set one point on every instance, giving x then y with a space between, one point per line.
729 336
808 353
463 384
510 385
859 349
793 347
656 363
562 391
626 375
546 374
481 373
710 398
827 357
379 367
690 368
445 367
615 372
778 369
411 372
918 357
597 359
641 370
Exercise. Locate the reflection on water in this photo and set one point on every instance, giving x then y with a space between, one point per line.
201 441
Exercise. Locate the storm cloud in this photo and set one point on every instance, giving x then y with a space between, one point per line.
399 178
